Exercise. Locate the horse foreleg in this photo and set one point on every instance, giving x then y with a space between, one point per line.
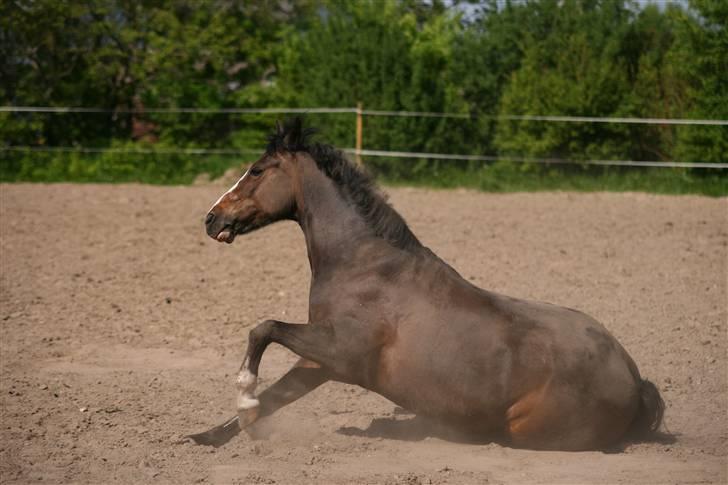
247 380
345 350
303 378
342 355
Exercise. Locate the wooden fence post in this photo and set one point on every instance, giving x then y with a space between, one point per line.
358 133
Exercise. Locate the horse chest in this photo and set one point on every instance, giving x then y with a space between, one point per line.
369 302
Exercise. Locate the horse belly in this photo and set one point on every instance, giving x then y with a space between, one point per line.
436 383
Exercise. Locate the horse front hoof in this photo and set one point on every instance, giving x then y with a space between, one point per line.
219 435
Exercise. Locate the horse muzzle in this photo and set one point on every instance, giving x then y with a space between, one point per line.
220 229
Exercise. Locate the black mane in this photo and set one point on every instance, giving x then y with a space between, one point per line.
357 186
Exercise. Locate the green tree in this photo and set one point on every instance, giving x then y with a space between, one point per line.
701 55
123 55
385 55
487 52
572 68
658 88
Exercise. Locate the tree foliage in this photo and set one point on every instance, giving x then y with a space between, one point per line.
701 57
124 55
484 60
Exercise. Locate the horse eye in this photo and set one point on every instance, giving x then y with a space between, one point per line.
255 171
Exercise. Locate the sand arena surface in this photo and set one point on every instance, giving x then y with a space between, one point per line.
123 326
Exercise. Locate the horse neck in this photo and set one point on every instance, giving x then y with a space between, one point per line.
332 227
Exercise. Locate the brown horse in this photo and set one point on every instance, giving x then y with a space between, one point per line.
387 314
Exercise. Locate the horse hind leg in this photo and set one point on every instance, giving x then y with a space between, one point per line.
551 420
525 420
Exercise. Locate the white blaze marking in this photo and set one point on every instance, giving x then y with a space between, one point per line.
229 190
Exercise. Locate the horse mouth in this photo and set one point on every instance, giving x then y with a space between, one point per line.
227 235
229 231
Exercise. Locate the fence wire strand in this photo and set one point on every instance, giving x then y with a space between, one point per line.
367 112
367 152
372 153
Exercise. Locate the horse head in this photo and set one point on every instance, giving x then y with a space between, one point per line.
266 193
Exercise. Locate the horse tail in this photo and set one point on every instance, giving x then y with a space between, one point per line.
650 412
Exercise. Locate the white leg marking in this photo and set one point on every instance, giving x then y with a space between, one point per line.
229 190
246 383
246 402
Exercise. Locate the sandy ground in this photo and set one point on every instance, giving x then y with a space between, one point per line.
123 325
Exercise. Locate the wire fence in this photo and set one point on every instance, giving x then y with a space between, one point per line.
370 153
359 151
365 112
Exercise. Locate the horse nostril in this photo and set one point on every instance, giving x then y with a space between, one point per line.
209 218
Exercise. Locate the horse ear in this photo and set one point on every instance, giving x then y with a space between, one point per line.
293 133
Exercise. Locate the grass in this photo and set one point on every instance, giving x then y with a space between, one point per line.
154 168
512 177
149 168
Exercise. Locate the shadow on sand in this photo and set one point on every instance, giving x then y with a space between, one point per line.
414 428
404 426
